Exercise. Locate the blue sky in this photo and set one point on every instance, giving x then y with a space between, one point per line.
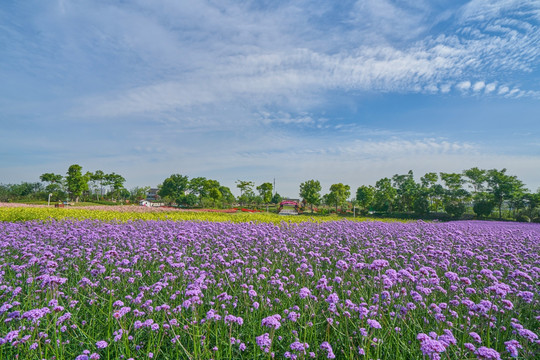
345 91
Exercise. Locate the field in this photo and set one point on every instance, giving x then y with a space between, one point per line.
22 212
246 286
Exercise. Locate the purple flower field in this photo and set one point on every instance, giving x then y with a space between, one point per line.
208 290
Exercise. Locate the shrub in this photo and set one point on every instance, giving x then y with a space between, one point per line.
455 208
483 208
523 218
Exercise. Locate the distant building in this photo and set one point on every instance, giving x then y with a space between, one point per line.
152 194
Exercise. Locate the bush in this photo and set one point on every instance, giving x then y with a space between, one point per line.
455 208
421 206
523 218
536 219
483 208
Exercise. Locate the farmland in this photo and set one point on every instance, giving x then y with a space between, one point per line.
87 285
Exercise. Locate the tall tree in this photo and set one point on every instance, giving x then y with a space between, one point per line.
227 196
455 194
430 190
476 178
173 187
51 178
197 186
54 180
215 195
116 182
246 191
138 193
503 187
265 191
98 176
364 196
406 189
310 191
77 183
384 196
453 181
211 190
339 194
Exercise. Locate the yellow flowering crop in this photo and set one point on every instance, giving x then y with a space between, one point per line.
14 214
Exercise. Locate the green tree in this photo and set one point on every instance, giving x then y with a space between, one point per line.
227 196
455 194
265 192
276 199
503 187
454 208
210 190
116 182
98 176
339 194
476 178
51 178
453 181
246 191
406 190
483 207
421 205
197 186
431 190
189 200
138 193
365 196
173 187
385 195
55 183
310 191
215 195
77 183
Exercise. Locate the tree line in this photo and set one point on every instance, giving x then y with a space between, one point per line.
94 186
481 192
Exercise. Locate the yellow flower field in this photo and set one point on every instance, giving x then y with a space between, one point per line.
127 213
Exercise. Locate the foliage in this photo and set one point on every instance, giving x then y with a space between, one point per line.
173 187
503 187
384 195
483 207
310 191
76 182
265 192
406 191
276 199
455 208
339 194
421 205
365 196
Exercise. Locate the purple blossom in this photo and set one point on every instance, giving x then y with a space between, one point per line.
272 321
304 293
329 351
264 342
475 337
374 324
487 353
101 344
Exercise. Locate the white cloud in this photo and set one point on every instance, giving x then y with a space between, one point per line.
478 86
490 87
247 64
463 86
503 90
